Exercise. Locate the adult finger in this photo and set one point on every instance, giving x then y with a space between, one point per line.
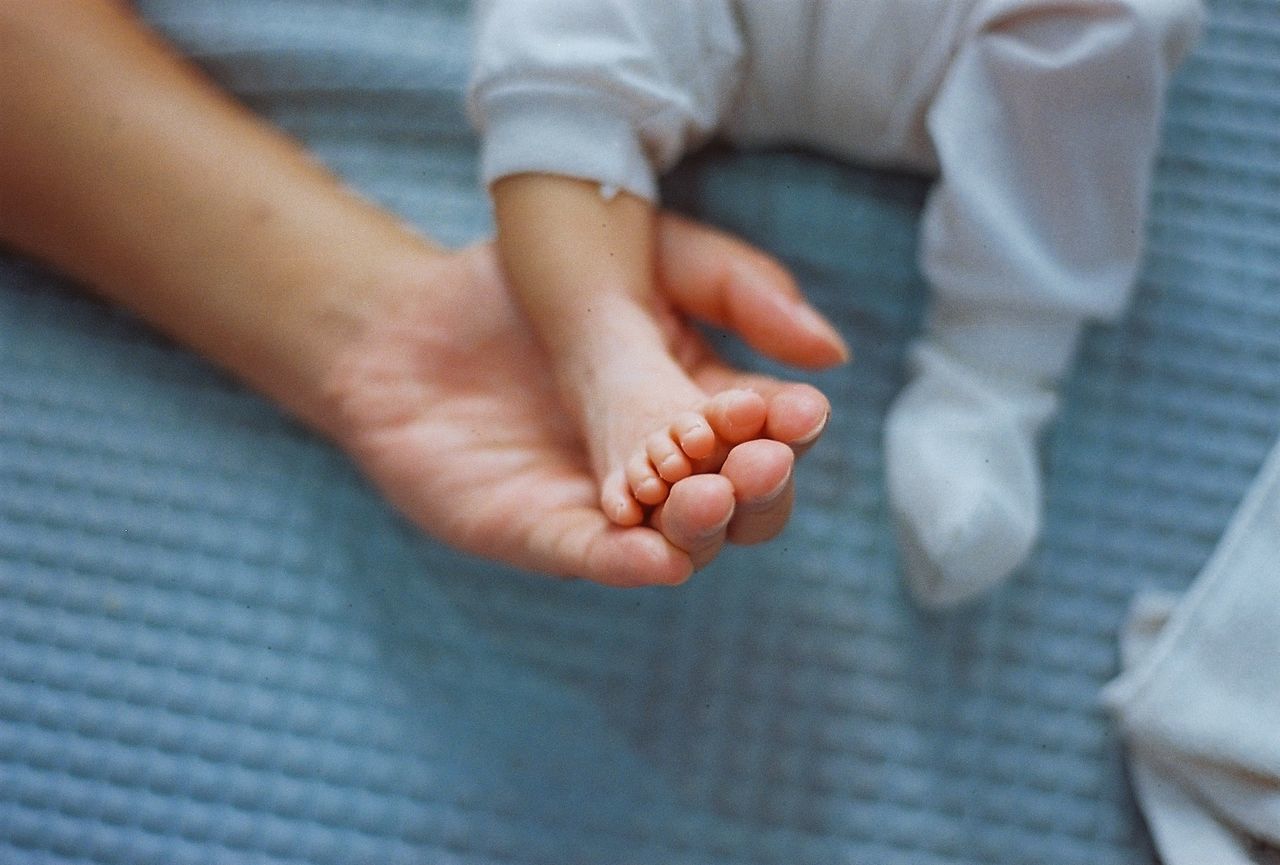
798 413
726 282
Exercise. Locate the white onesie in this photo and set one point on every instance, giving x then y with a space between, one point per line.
1040 119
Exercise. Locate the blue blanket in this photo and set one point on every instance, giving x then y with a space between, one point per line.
217 645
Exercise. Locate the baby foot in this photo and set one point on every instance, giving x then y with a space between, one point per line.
692 441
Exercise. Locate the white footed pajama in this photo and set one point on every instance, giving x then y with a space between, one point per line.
1039 117
1045 126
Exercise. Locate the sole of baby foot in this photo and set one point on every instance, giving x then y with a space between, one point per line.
691 442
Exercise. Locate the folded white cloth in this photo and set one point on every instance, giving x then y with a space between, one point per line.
1199 698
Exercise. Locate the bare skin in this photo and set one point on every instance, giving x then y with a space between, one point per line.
125 168
445 404
584 269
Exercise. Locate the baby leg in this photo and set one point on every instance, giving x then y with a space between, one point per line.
1045 127
583 269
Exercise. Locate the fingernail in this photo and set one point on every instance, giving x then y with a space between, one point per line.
760 504
718 528
768 498
811 437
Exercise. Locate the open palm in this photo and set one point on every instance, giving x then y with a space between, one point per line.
448 405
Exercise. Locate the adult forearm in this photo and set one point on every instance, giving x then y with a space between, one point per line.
122 166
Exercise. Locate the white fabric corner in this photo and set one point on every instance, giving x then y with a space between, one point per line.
1198 701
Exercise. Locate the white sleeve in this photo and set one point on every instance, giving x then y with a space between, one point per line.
613 91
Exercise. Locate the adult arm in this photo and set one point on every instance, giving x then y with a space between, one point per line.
125 168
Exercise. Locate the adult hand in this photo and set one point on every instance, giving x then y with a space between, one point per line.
224 234
448 404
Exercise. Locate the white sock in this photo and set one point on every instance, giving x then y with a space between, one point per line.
964 475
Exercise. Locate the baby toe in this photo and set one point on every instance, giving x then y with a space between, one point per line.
667 458
694 434
646 486
617 502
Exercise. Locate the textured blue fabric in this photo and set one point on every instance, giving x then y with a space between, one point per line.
216 645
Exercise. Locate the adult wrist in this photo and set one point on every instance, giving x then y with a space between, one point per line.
321 314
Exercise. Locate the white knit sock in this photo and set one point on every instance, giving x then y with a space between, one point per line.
963 475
